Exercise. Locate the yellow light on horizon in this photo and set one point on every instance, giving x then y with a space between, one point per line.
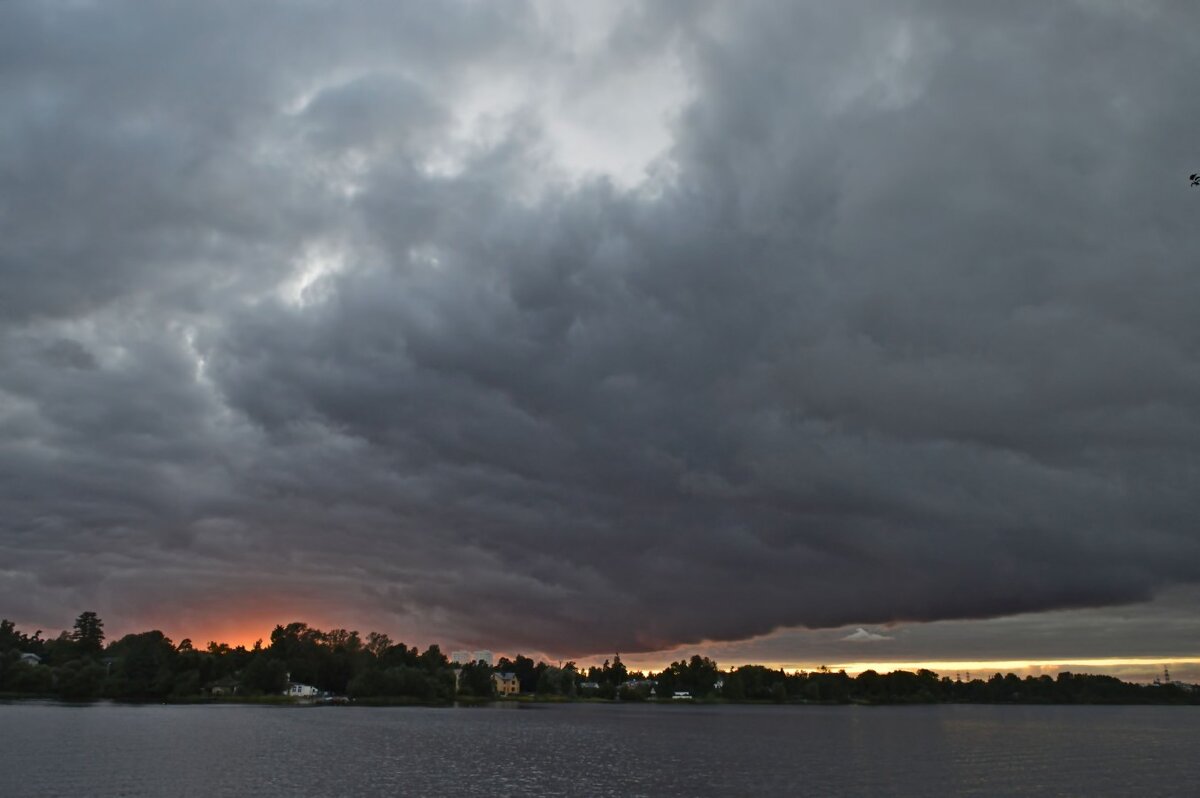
952 666
1013 664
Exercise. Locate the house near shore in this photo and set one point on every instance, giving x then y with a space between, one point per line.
30 659
297 690
224 687
506 683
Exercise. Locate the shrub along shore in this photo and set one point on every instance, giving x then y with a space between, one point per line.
301 664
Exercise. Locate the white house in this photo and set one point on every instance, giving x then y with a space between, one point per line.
297 690
30 659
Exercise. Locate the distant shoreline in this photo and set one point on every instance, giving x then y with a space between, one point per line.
489 703
305 666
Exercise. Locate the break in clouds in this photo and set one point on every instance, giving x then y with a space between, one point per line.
534 328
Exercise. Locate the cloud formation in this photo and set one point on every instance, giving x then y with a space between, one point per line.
886 313
861 635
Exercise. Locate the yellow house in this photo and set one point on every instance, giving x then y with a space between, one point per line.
506 683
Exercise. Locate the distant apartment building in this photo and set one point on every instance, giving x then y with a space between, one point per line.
471 657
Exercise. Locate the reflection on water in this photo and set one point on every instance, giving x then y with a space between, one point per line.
115 750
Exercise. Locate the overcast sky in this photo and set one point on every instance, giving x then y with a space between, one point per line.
579 328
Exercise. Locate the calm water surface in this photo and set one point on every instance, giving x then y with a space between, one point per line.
114 750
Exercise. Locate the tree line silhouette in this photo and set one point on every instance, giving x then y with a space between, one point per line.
148 666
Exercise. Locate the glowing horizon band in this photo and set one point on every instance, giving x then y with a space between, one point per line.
942 666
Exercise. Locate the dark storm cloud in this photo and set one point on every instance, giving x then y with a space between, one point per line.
1162 630
900 327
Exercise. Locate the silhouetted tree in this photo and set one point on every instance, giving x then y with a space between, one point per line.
144 666
265 675
89 634
475 679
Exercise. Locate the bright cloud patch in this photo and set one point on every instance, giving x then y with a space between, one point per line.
861 635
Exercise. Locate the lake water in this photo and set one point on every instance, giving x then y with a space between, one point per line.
50 749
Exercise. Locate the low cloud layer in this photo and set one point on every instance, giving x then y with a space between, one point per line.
861 635
499 324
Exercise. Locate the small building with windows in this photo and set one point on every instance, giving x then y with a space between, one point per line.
297 690
506 683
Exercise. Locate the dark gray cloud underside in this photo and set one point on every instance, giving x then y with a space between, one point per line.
901 327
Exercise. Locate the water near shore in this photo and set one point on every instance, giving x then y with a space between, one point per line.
579 750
